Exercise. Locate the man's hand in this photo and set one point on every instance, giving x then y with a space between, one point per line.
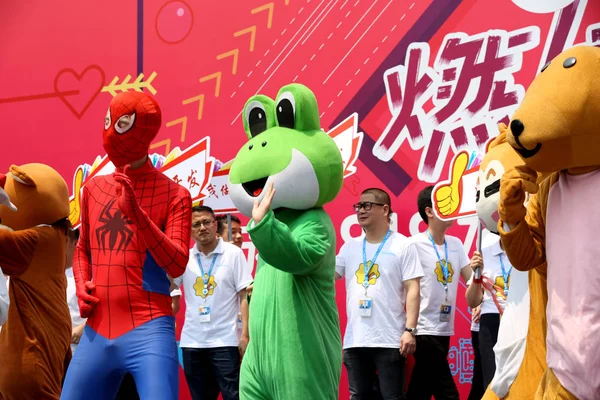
128 203
476 261
261 209
76 333
513 185
243 345
86 301
476 314
408 344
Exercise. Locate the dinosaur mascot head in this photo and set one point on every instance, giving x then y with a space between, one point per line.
34 194
286 146
557 126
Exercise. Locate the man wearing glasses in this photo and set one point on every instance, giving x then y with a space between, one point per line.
214 282
382 272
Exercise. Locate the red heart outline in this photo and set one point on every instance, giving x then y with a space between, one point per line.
79 78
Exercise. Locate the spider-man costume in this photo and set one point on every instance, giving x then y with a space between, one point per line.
135 229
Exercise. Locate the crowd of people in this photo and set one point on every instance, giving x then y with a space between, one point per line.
401 295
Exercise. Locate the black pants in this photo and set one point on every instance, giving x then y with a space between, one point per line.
209 372
127 390
488 336
477 388
365 365
431 375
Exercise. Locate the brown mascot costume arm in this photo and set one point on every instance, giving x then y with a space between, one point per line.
523 230
17 250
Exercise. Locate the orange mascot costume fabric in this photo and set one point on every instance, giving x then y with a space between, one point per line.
556 130
35 340
520 350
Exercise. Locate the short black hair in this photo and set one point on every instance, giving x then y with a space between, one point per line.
222 221
424 201
382 197
204 209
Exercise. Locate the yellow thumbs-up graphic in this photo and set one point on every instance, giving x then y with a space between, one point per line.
75 203
448 196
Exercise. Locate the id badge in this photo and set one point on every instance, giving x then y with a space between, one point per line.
365 306
445 312
239 321
204 313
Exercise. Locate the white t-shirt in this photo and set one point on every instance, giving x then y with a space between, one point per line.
494 258
76 319
492 269
230 275
397 262
432 283
4 300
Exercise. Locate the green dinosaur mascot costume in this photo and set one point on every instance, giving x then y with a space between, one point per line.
281 179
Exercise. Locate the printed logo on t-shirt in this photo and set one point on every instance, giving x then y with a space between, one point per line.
439 272
372 276
499 286
199 286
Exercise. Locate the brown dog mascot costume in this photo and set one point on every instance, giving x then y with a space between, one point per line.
35 340
521 347
556 130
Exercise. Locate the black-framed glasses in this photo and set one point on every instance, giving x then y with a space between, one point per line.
206 222
367 205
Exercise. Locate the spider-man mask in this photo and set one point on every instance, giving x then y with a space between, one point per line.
131 124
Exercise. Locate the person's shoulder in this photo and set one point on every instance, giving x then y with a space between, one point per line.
417 238
231 249
454 241
398 241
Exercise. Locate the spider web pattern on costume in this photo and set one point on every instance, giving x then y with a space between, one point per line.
125 259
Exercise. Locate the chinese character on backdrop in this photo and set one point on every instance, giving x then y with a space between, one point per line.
471 86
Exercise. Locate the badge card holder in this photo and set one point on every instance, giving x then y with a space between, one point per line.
239 321
365 306
205 313
445 312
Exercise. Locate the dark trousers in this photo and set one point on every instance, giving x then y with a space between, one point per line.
488 336
365 365
477 388
209 372
127 390
431 375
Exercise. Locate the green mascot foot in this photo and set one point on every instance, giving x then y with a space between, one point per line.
295 349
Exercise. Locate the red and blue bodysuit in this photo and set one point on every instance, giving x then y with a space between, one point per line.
135 233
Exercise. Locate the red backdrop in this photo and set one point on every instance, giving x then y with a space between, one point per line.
426 78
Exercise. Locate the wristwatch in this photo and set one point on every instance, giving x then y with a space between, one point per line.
411 330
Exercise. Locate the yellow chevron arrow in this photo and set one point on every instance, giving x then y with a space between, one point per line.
232 53
252 31
200 100
268 6
217 77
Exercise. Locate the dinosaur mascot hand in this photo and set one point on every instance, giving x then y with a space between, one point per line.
513 185
86 301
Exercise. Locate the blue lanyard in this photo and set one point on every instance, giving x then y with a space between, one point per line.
364 250
205 277
444 265
505 275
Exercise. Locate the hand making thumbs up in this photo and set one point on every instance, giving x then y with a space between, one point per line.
448 196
